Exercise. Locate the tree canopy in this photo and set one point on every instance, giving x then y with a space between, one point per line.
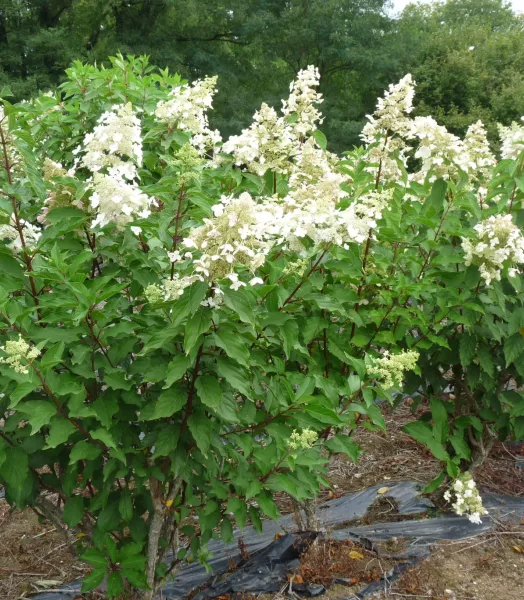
466 55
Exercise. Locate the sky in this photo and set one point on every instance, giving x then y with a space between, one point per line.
399 4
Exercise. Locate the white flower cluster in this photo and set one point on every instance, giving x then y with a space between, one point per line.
116 136
390 368
303 440
390 131
268 143
117 200
11 236
388 128
272 141
481 159
512 139
442 153
115 146
302 100
187 109
232 237
370 206
499 243
466 498
18 354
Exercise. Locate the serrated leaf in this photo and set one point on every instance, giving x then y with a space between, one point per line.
196 326
115 584
94 557
176 370
59 432
233 344
94 579
209 391
467 347
200 427
513 348
170 402
39 413
343 444
84 451
136 578
74 511
226 530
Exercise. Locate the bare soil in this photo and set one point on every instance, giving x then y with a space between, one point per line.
34 557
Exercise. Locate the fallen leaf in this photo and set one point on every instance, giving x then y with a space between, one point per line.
518 549
169 503
295 578
354 555
383 490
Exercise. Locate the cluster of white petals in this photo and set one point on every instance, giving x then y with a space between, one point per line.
116 136
116 200
512 140
370 206
18 354
388 128
232 237
466 499
112 153
272 140
390 368
499 243
10 235
187 109
302 100
476 145
268 144
442 154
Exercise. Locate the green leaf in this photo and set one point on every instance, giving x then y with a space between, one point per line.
226 530
84 451
137 561
94 579
434 205
486 360
254 515
59 431
200 427
125 505
239 509
105 407
343 444
169 402
21 391
136 579
176 369
435 483
462 450
15 467
440 419
115 584
513 348
95 558
209 391
266 503
234 375
74 511
39 413
239 302
233 344
320 139
467 347
196 326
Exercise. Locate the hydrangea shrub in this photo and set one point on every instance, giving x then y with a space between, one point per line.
190 325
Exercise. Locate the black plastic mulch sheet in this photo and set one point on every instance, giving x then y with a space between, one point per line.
273 555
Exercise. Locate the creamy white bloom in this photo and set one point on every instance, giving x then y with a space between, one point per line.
498 243
18 355
390 368
116 137
10 235
302 100
466 498
480 158
512 139
268 144
115 199
303 440
187 109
